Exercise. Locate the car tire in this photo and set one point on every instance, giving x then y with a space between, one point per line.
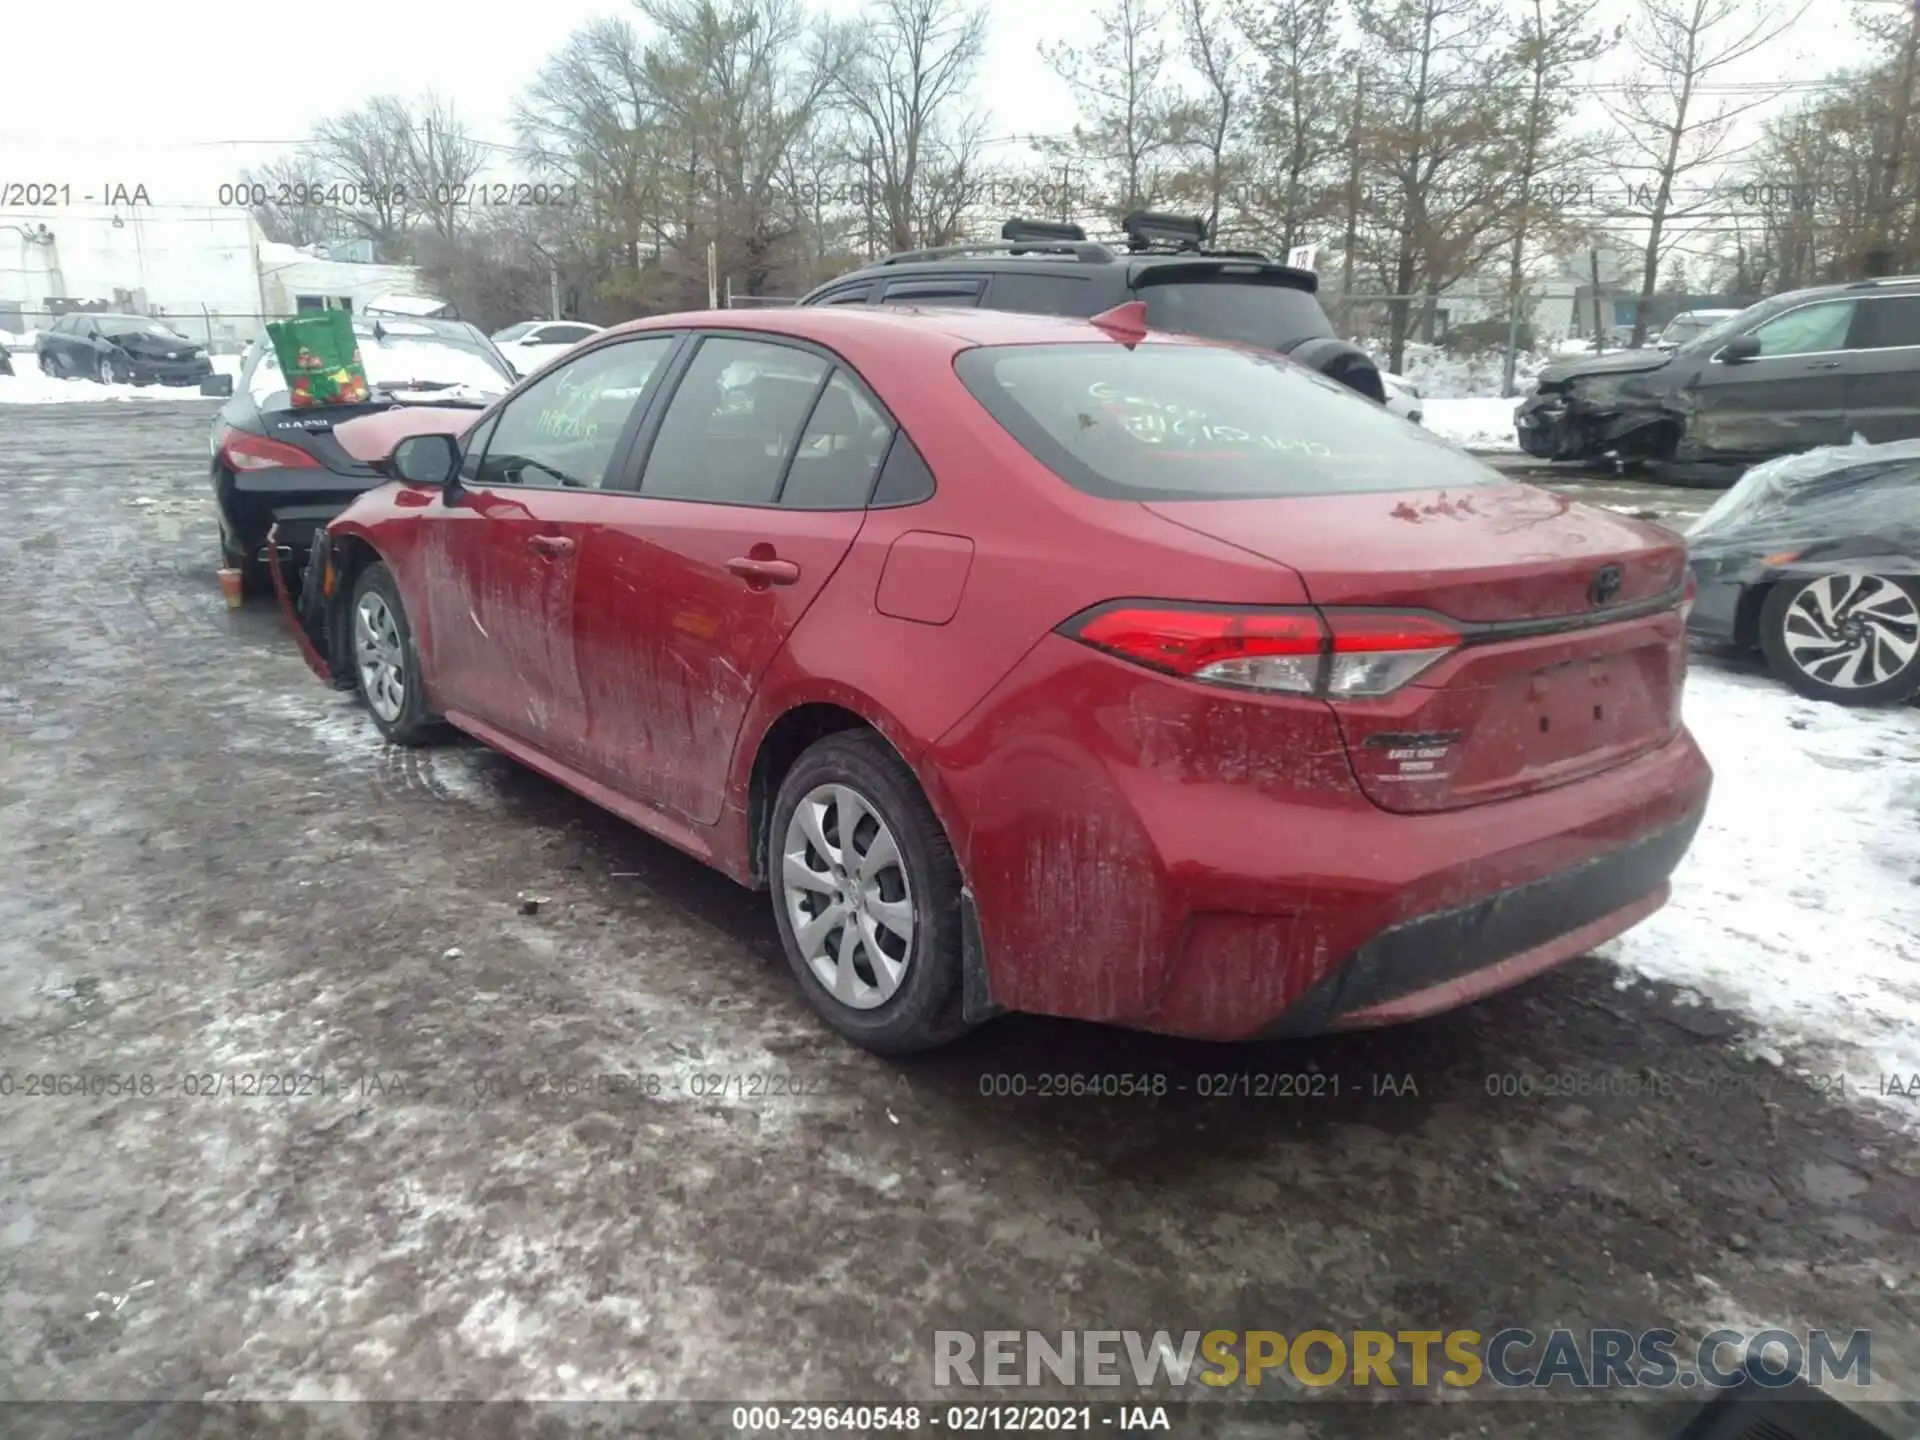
887 993
1853 639
386 662
49 365
108 371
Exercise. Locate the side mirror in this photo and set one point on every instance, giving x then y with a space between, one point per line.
425 460
1741 347
219 385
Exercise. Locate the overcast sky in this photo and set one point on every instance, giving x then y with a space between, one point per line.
146 93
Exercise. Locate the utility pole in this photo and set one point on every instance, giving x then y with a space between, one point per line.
553 290
1599 335
1353 201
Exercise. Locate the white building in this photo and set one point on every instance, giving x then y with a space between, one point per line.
206 269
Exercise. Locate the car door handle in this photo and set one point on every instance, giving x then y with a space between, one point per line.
1824 365
551 544
756 571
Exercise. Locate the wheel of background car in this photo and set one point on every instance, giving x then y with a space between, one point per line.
49 364
108 371
386 665
1337 360
1850 638
866 895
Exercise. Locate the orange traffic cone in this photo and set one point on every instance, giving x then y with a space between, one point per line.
230 587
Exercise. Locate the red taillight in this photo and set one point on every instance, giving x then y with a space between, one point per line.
1334 654
245 451
1688 595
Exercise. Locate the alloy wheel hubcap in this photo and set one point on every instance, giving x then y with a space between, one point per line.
1852 631
378 653
848 899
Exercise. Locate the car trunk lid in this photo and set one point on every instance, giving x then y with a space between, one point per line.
1572 651
348 439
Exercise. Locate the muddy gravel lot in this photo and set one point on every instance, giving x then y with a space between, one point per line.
331 1116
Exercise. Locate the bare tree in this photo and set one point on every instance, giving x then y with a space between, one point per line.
1441 130
292 208
591 118
1133 108
441 160
737 84
914 68
1217 118
1301 118
1548 48
365 153
1670 129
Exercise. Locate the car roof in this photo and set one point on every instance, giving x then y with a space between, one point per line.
933 328
1085 260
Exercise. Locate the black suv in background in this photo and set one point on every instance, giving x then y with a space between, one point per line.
1050 268
1801 370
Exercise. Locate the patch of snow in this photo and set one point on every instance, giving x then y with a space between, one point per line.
1440 374
28 386
1798 906
1485 423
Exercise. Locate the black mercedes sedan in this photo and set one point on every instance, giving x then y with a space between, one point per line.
274 464
120 350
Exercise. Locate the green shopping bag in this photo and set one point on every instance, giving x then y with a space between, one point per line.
320 358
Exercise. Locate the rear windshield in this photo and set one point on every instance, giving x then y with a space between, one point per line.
411 362
1275 316
1196 422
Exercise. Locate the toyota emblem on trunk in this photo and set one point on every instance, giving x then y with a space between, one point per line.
1606 585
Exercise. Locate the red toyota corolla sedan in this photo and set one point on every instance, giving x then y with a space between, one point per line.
1040 664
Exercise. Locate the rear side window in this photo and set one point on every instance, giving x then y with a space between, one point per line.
960 290
1276 317
1887 323
1042 294
1193 422
840 450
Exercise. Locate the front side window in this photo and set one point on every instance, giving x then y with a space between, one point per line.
1810 330
1196 422
733 422
564 428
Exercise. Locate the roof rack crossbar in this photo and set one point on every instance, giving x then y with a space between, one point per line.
1086 253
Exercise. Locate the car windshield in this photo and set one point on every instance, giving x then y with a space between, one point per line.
1716 335
136 325
512 332
1168 421
407 362
1683 328
1250 314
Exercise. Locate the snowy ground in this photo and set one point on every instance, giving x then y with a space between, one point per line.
27 386
1799 905
1473 424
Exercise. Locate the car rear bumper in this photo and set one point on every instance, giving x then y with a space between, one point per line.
1206 865
1438 961
299 502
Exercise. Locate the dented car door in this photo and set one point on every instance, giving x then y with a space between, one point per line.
751 488
1789 397
502 558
